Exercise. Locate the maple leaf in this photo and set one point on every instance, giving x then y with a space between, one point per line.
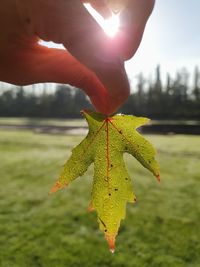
108 138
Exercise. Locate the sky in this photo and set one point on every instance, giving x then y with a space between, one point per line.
171 39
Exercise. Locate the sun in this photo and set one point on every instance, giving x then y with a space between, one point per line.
110 25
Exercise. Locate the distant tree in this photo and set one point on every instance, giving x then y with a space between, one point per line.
196 86
6 103
19 104
62 101
141 94
169 85
130 106
158 83
80 101
155 90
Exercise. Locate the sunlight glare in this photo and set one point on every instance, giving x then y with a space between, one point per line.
110 25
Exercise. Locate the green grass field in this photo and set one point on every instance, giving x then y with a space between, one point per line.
37 230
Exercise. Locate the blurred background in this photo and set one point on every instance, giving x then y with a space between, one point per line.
40 124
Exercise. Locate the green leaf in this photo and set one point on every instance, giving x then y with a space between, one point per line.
107 140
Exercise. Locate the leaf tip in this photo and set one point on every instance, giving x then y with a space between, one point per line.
112 251
158 178
85 111
90 207
111 242
58 185
133 199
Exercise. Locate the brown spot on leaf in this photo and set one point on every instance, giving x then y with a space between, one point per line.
102 222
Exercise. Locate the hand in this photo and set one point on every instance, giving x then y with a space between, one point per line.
92 61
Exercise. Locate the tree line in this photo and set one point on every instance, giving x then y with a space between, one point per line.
174 99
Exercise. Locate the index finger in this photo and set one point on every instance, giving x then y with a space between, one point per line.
133 19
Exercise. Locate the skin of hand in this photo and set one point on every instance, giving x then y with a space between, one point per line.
92 61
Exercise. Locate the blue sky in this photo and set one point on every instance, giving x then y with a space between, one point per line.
171 38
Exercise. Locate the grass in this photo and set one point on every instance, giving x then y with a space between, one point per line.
161 230
41 122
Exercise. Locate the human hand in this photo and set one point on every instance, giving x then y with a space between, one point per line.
92 61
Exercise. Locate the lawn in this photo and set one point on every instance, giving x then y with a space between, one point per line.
37 230
42 122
